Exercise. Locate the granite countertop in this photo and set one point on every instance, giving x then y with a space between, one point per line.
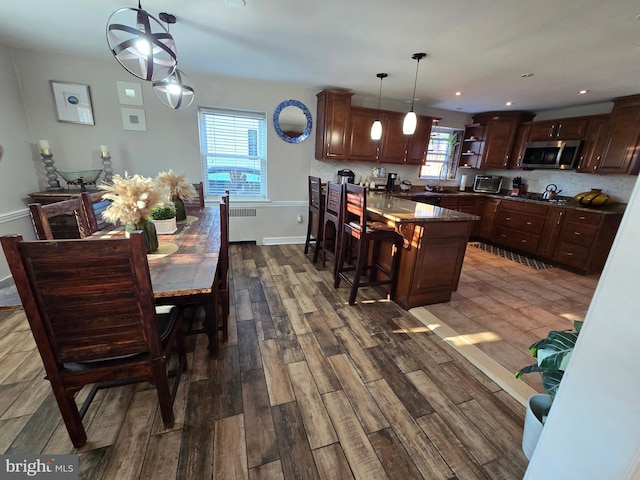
403 210
565 202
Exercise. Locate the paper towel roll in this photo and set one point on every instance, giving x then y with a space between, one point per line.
463 183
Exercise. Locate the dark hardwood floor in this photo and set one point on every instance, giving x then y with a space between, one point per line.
306 387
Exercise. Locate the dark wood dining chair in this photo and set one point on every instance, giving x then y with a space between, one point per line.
93 205
59 220
316 218
369 234
91 310
222 274
198 201
332 225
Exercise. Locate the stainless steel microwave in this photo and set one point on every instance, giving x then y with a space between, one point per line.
487 184
562 154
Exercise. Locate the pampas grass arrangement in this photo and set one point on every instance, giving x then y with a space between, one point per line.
132 198
177 184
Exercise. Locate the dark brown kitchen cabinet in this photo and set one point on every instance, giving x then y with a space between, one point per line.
559 129
332 124
520 225
472 146
595 142
361 147
400 148
465 203
621 152
419 141
498 136
488 218
522 137
585 239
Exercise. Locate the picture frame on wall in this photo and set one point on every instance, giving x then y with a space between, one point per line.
73 102
133 119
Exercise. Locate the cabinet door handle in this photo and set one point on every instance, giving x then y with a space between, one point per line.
569 254
528 223
523 241
582 218
560 218
576 233
553 127
508 218
503 235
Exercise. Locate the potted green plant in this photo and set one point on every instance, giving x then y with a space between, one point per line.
164 218
552 356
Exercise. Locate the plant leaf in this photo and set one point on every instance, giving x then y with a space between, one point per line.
551 381
556 350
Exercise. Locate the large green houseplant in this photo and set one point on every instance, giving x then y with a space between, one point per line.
552 356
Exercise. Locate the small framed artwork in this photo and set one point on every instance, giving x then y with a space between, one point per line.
129 93
133 119
73 102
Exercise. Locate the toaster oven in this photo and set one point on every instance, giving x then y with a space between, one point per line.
487 184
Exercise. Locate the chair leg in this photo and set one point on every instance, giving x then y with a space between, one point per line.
339 263
165 400
306 243
70 415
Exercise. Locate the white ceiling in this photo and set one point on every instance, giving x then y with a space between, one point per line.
479 47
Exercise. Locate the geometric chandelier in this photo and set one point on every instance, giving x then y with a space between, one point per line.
140 43
171 87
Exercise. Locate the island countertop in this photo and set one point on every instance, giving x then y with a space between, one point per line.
401 210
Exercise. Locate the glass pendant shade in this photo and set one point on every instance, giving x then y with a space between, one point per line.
140 43
376 130
173 90
411 120
410 123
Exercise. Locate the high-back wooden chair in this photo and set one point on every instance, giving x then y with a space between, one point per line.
59 220
370 234
197 202
93 206
332 225
316 218
222 274
91 310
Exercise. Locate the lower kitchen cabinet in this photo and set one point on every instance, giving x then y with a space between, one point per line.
585 239
488 218
467 204
520 225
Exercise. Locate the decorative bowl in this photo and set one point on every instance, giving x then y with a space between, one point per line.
80 177
594 198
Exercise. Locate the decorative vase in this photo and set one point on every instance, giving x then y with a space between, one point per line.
149 231
181 212
593 198
537 407
165 227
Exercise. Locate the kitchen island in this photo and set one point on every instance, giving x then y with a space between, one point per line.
435 240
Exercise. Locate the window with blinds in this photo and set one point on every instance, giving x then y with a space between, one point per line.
233 145
441 154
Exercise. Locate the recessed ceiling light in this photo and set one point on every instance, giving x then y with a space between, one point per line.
235 3
526 75
508 104
582 92
458 94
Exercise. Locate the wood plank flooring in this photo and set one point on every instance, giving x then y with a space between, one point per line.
308 387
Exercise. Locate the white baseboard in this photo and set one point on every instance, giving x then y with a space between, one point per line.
283 240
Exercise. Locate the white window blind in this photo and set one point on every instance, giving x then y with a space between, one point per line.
233 145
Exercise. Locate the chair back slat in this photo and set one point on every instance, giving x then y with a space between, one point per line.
333 205
198 201
315 193
355 208
59 220
93 206
88 300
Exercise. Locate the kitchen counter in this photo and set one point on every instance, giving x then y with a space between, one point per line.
403 210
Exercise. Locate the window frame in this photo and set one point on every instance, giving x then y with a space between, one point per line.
246 160
449 163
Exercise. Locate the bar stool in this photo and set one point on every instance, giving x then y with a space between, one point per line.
331 236
356 226
316 218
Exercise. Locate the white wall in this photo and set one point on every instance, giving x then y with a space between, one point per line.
593 430
19 164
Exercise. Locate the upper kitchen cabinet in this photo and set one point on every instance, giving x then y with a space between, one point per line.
498 132
332 124
400 148
522 137
560 129
621 152
596 138
361 147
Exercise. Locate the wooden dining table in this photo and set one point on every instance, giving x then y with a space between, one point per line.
182 270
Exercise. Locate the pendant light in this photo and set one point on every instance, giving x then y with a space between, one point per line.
411 120
376 128
140 43
171 86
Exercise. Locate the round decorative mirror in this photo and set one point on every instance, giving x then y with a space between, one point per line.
292 121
